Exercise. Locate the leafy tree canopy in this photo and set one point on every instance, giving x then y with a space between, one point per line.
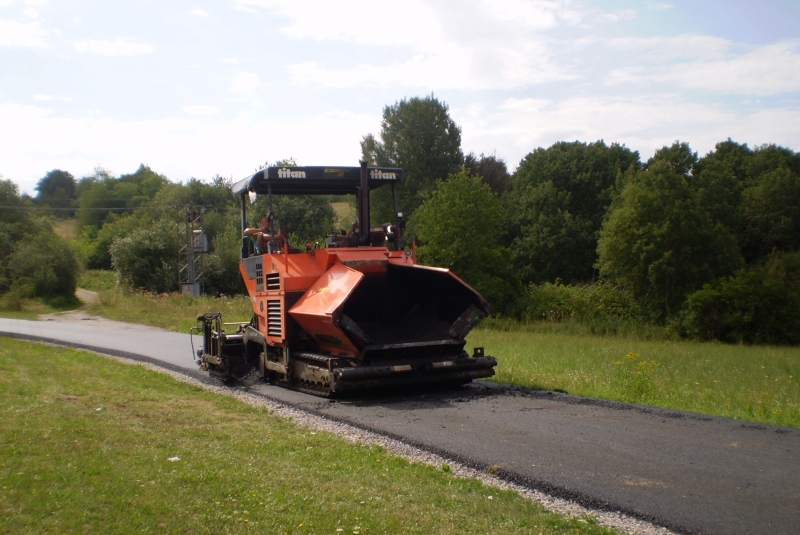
418 136
587 171
549 242
659 242
56 189
491 170
557 204
15 223
101 196
679 157
44 265
459 227
753 193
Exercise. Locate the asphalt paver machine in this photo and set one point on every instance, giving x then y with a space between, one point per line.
357 313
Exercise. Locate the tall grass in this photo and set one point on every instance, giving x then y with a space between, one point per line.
98 279
173 311
756 383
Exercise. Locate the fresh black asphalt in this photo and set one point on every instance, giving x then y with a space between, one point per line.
688 472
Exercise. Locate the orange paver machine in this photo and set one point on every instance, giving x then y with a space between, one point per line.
358 313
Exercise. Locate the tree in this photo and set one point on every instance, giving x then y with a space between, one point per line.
418 136
97 199
56 190
730 154
719 192
45 265
679 157
772 214
559 197
459 227
146 259
549 242
659 242
15 222
491 170
760 304
101 197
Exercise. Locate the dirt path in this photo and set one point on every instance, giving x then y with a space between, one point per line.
79 315
88 297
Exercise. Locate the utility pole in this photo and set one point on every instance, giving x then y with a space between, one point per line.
191 254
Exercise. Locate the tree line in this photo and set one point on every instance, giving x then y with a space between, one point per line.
706 245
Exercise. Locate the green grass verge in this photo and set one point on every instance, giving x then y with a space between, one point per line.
89 445
31 309
173 312
98 280
756 383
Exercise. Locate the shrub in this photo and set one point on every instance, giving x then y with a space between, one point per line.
221 266
147 258
43 266
756 305
585 302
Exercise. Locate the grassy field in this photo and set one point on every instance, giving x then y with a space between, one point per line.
756 383
89 445
345 214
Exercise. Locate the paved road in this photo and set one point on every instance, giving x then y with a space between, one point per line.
691 473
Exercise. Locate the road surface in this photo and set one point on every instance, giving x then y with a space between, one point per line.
688 472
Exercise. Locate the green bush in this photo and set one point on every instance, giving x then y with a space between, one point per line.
458 227
584 302
221 266
147 258
756 305
43 265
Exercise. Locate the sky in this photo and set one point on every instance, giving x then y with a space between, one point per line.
201 88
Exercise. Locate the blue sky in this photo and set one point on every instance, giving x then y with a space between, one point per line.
196 89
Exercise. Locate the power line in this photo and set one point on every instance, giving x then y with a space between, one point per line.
99 209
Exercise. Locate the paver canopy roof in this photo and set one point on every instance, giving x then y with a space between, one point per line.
314 180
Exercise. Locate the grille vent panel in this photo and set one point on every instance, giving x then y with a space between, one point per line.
259 277
274 318
274 281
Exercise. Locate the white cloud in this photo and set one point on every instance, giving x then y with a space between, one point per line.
484 44
199 13
21 34
390 23
644 123
449 67
616 16
51 98
244 82
768 70
31 13
118 47
663 49
200 110
706 63
660 6
178 147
